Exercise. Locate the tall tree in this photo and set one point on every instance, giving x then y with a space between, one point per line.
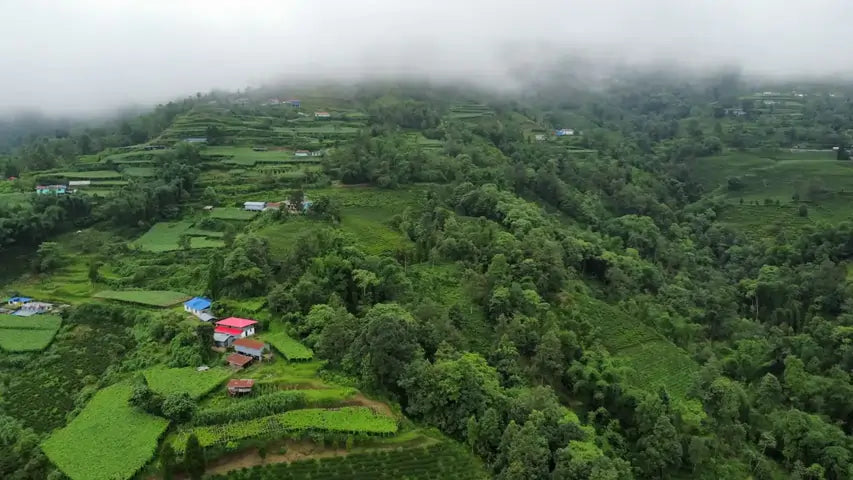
194 462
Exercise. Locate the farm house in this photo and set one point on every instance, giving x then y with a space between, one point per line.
254 206
249 347
19 301
34 308
239 327
240 386
200 307
293 103
238 361
51 189
565 132
302 153
223 340
322 115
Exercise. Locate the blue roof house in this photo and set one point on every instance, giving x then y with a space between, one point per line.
197 306
19 301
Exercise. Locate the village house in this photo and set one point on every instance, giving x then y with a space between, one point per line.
293 103
273 206
238 327
238 361
51 189
222 340
254 206
322 115
302 153
249 347
200 307
196 139
19 301
273 101
565 132
34 308
240 386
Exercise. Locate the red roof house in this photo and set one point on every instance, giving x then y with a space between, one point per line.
239 386
234 332
245 326
239 361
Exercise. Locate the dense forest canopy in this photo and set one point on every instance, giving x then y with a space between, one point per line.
621 301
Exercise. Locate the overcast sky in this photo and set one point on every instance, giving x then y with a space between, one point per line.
84 55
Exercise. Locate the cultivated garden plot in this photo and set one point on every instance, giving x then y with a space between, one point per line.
166 381
27 334
346 420
109 440
287 346
441 461
153 298
166 237
232 213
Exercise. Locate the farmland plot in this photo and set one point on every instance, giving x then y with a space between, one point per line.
154 298
197 384
106 421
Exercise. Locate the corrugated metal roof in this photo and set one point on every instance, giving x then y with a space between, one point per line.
236 322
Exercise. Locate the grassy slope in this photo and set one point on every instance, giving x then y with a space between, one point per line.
108 440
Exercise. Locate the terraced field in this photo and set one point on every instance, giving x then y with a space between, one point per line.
438 462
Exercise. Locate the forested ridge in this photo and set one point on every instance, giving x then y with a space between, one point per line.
579 307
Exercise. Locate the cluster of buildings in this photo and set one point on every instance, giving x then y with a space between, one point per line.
25 307
265 206
295 103
231 332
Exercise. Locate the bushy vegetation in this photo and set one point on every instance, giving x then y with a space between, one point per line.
260 406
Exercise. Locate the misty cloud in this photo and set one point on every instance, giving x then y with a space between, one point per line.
86 55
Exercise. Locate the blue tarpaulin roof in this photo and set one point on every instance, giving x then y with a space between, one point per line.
198 303
20 300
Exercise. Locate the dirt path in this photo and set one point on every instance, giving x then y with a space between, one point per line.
249 458
374 405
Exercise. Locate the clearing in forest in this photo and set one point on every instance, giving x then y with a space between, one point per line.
154 298
109 439
653 360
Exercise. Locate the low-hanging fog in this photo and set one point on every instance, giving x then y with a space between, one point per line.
85 56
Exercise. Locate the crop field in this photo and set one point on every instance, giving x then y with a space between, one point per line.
167 381
652 359
245 156
25 340
136 156
93 175
165 237
154 298
109 439
369 228
343 420
287 346
763 221
776 175
232 213
36 322
27 334
436 462
139 172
